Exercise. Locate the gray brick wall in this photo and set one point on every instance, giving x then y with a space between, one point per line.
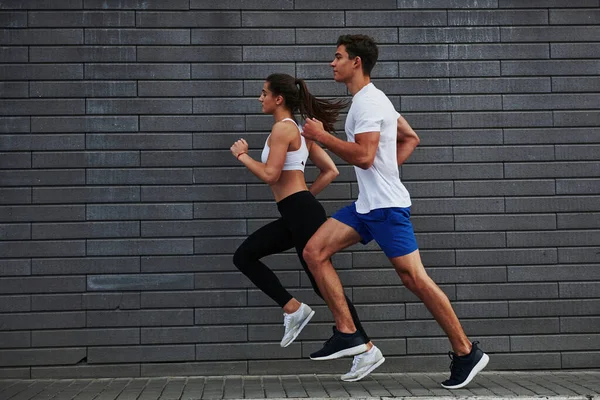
120 205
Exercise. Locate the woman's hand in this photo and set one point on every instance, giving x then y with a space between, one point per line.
239 147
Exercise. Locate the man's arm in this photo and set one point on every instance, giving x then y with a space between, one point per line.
360 153
407 140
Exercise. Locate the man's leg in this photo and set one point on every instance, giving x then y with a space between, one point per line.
330 238
415 278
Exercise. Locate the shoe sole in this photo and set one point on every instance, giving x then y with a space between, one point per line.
352 351
306 321
367 372
478 367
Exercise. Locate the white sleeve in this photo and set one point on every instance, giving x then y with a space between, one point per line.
368 118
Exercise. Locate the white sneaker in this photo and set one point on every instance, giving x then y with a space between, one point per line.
294 323
363 364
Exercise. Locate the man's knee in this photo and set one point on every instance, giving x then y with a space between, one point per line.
312 254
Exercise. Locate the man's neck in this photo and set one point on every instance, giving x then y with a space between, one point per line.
358 82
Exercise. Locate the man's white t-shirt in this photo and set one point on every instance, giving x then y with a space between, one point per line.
379 186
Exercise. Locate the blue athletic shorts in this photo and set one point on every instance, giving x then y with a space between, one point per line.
390 227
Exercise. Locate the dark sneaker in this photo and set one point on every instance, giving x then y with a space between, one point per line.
341 345
464 368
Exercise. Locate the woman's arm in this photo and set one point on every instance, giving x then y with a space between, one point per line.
268 172
327 168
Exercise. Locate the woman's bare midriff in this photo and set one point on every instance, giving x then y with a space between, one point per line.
289 182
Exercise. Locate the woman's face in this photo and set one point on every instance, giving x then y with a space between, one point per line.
269 100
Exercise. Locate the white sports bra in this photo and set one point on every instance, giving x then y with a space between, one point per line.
294 160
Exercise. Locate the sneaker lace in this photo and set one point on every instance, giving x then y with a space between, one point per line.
287 320
356 360
456 366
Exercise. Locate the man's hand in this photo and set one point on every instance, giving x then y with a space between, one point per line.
313 129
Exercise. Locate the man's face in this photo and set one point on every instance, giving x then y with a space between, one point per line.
342 65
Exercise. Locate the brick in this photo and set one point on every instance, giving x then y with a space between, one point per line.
193 228
40 4
189 53
138 247
15 267
451 103
498 17
460 240
41 107
15 303
138 4
452 171
475 309
46 320
413 86
550 67
554 308
498 51
299 19
78 19
447 4
448 35
550 34
285 53
42 356
504 187
504 153
192 123
547 3
137 36
204 298
111 301
413 52
236 210
506 291
574 50
87 371
13 19
458 206
85 337
42 142
243 4
29 213
395 18
449 69
551 135
246 351
552 204
15 160
502 119
56 302
506 257
88 159
552 169
554 238
330 36
85 230
41 71
124 282
579 324
575 84
500 85
188 19
197 334
42 284
247 70
246 315
577 186
128 354
137 71
226 106
242 36
103 194
42 177
84 124
138 106
216 245
587 359
194 369
223 175
188 263
529 361
323 71
15 339
581 221
347 5
145 176
552 272
578 289
433 224
15 195
138 318
193 193
15 231
88 265
14 55
41 36
505 222
550 101
189 88
576 118
575 17
82 54
139 141
95 212
431 258
83 89
554 343
14 125
577 152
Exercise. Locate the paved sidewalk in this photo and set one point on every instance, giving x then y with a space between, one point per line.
584 385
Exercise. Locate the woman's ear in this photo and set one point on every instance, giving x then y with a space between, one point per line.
279 100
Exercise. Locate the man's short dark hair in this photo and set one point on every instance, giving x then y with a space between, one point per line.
362 46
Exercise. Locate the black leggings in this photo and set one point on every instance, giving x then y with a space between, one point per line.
301 216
